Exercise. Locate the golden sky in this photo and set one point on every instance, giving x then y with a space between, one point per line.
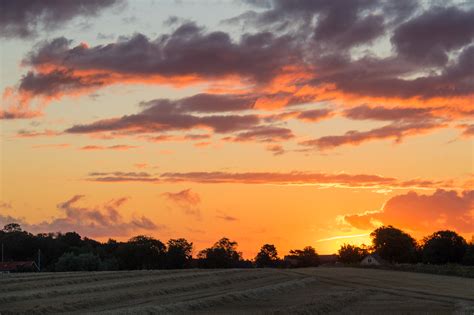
294 123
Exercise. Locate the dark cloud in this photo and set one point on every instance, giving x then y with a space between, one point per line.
314 115
396 131
311 115
382 113
334 24
422 213
263 134
383 78
342 25
206 103
429 37
164 115
100 221
117 177
189 50
58 82
23 18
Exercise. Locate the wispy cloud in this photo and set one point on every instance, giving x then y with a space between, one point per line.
103 220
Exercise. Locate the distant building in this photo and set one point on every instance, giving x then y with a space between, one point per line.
372 260
18 266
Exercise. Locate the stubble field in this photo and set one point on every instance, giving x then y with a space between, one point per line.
312 291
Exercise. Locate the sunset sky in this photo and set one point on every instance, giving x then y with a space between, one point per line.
276 121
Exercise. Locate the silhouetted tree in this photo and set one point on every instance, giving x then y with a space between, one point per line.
393 244
179 253
18 244
350 254
12 227
142 252
267 256
444 247
71 239
223 254
307 257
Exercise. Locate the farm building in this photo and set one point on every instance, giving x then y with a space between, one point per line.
372 260
18 266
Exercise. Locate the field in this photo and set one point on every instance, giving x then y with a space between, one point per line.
312 290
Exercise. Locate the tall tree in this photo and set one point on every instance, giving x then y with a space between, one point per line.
267 256
179 253
142 252
444 247
393 244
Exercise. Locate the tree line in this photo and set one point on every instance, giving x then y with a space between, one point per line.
71 252
396 246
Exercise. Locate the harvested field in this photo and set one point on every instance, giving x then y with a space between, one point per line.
312 290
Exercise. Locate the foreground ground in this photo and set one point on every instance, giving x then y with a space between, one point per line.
313 290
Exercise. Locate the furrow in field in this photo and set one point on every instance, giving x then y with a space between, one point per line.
103 285
69 278
231 296
85 279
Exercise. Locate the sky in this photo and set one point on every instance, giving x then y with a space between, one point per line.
294 123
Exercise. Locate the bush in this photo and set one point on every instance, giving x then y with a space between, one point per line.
81 262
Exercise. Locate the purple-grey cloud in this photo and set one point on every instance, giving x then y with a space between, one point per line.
23 18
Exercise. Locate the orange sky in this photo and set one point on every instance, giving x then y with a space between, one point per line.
218 123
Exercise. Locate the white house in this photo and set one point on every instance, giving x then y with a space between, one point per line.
372 260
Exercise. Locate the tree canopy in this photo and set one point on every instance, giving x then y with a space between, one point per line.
393 244
267 256
306 257
351 254
444 247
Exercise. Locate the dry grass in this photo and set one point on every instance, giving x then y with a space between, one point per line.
311 291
